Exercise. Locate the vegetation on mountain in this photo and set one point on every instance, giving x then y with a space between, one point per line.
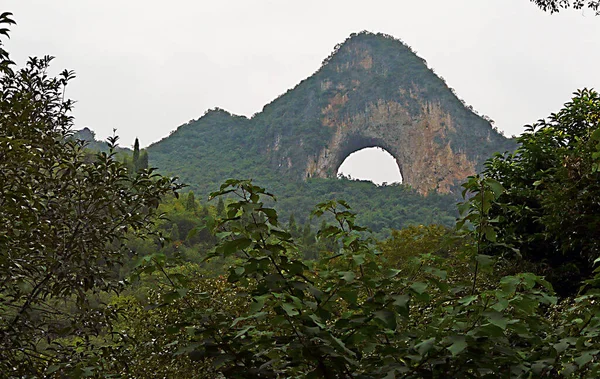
364 71
370 79
225 290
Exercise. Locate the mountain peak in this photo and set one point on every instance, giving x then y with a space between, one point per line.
372 91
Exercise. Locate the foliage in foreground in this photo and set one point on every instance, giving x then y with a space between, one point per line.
550 209
351 315
64 220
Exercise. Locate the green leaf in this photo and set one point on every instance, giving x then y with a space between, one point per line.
350 295
290 309
497 318
490 233
419 287
459 343
495 186
169 297
401 300
348 276
359 259
392 272
318 321
586 357
484 260
388 318
561 346
341 344
468 299
236 245
425 346
258 303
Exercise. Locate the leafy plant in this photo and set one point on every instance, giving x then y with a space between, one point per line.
64 220
349 315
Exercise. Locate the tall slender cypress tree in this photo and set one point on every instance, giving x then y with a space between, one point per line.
143 161
136 154
220 208
190 204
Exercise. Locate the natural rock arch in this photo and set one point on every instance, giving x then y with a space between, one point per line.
420 147
381 167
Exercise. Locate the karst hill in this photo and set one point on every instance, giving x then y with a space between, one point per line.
373 90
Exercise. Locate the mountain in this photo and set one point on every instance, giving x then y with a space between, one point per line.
92 144
373 90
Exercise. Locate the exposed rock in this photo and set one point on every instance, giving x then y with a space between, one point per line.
419 146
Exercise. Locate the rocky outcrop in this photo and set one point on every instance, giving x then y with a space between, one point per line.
374 91
420 146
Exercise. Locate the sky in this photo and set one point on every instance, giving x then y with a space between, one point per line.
146 67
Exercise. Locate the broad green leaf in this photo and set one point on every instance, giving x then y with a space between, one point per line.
388 318
419 287
495 186
350 295
359 259
497 318
459 343
467 300
424 346
348 276
401 300
290 309
484 260
258 303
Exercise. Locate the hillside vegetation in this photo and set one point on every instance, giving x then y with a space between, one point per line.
277 145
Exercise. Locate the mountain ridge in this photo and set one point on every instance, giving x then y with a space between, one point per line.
371 90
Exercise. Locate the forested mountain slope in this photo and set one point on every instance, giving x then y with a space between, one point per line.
373 90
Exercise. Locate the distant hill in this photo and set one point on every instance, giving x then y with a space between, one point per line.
373 90
87 135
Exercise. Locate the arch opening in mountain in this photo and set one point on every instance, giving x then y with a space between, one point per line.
374 164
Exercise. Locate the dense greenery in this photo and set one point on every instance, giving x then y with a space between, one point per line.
226 290
380 207
550 209
351 315
64 219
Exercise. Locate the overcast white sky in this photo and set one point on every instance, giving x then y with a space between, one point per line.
145 67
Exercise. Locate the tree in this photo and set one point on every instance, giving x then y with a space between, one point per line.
143 162
220 208
554 6
292 227
349 315
63 222
174 233
414 240
190 204
136 155
550 210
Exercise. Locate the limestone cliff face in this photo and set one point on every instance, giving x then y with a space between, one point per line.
419 145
